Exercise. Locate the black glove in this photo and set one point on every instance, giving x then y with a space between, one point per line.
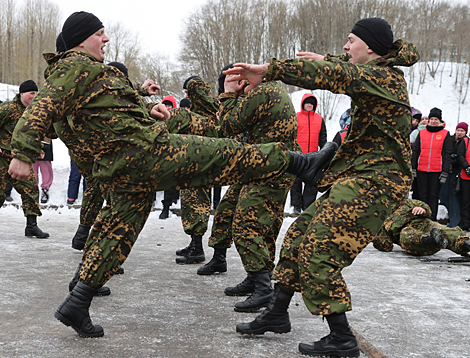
443 177
467 171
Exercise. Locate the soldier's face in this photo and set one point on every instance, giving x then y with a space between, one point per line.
358 50
94 45
27 97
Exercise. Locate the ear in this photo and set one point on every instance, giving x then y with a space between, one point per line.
369 51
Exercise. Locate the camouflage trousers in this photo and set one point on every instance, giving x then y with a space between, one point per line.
328 236
28 189
410 239
175 161
93 199
195 210
252 216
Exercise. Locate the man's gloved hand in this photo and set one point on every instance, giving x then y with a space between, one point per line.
443 177
467 171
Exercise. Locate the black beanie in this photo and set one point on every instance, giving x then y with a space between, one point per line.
185 103
222 78
168 103
78 27
311 100
59 44
435 112
185 84
28 86
376 33
120 66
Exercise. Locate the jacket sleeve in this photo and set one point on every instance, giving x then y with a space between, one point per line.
416 151
446 152
461 154
323 135
337 139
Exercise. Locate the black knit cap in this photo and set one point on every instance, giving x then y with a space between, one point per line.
311 100
185 103
59 43
78 27
222 78
435 112
376 33
28 86
120 66
185 84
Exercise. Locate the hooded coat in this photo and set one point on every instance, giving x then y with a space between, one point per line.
312 130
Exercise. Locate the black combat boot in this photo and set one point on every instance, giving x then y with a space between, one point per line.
79 240
261 296
185 251
195 254
102 291
435 238
244 288
218 263
165 212
310 166
466 245
32 228
74 311
341 342
274 318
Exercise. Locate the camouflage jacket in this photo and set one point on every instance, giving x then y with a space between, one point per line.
102 109
10 113
264 115
202 102
184 121
377 146
403 217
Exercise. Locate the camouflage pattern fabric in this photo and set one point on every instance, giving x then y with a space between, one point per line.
202 102
93 199
10 113
369 177
406 230
252 215
132 155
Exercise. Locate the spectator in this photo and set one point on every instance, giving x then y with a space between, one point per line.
311 135
431 160
44 165
74 184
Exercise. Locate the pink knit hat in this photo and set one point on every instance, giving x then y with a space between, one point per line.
462 125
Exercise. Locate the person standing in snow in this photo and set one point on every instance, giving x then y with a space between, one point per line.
311 136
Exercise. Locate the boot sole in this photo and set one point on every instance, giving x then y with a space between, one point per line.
251 309
211 272
37 237
190 262
336 354
69 323
285 328
239 294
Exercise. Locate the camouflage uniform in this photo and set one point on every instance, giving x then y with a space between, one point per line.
405 229
253 214
367 179
10 113
133 155
195 202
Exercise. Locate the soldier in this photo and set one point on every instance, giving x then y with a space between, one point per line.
368 178
10 113
133 155
264 115
411 228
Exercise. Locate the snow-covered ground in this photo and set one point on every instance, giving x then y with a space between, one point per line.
431 94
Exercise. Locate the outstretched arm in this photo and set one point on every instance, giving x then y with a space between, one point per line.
244 71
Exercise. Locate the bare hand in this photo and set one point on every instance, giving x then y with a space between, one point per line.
311 56
41 156
243 71
19 170
160 112
153 88
418 211
235 86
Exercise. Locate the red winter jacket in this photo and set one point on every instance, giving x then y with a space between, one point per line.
431 150
312 130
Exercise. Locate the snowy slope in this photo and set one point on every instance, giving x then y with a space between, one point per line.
430 95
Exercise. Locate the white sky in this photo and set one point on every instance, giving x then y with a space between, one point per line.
158 23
